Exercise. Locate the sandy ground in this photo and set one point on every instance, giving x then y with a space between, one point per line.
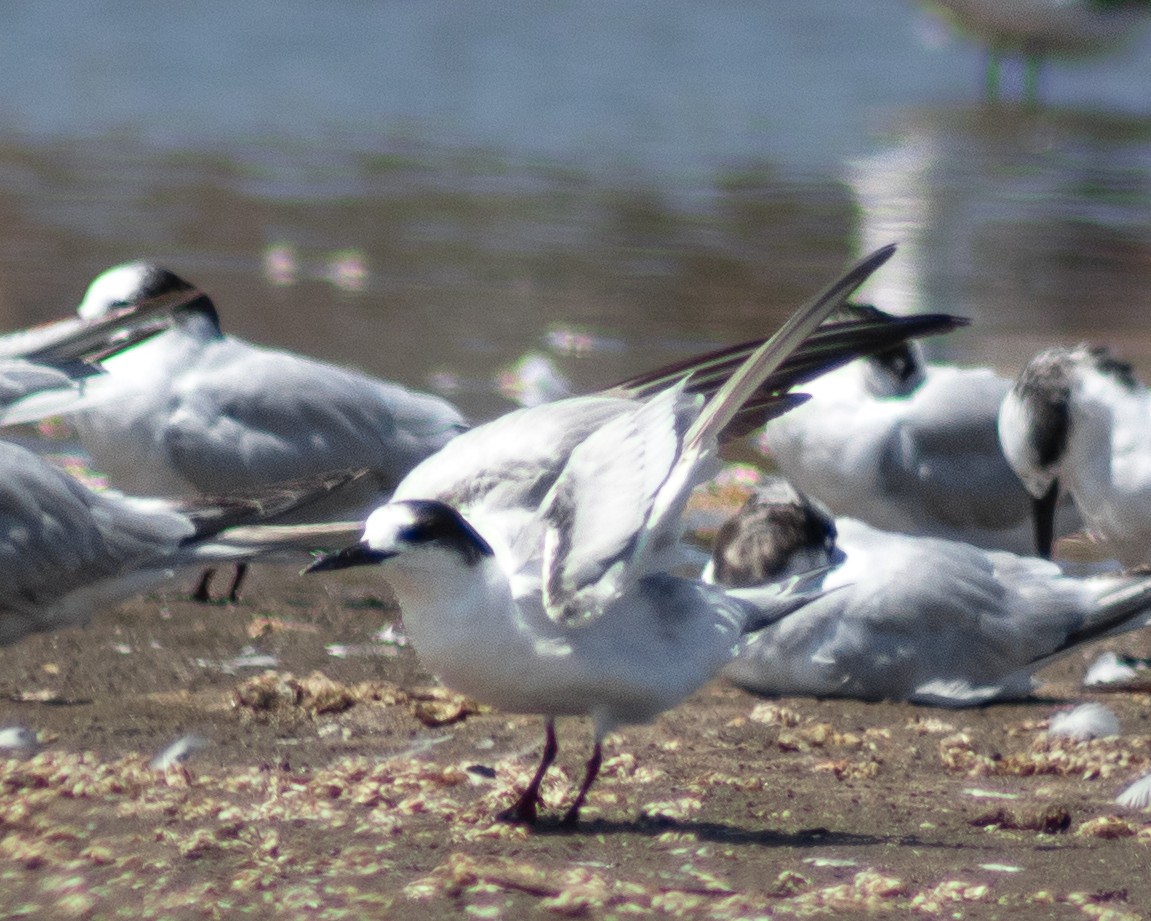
352 788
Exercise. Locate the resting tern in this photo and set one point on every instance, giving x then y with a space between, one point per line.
901 617
66 551
530 556
907 446
199 411
1079 420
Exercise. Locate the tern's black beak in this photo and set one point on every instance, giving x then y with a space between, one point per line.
356 555
1043 517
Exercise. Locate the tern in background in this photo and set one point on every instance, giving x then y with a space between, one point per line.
1079 420
1038 29
531 555
905 618
56 368
66 551
908 446
194 410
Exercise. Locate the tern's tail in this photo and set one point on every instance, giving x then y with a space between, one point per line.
216 517
1127 606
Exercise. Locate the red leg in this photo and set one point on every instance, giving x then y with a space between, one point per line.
596 759
524 808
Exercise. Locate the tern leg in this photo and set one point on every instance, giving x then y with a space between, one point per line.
1043 518
1032 65
237 580
524 809
991 75
203 590
571 817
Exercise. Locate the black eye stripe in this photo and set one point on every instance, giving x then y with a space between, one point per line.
437 522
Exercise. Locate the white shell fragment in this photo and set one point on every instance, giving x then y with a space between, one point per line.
1136 796
179 752
18 742
1087 721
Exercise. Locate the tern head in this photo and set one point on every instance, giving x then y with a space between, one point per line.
414 530
779 532
1035 421
894 372
132 284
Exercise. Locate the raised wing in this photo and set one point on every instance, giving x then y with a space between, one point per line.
595 514
631 531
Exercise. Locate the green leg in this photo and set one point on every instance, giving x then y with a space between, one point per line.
1032 65
991 77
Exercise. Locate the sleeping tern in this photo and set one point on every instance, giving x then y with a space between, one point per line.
199 411
1079 420
908 446
901 617
531 555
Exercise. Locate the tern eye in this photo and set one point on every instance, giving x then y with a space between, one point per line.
418 533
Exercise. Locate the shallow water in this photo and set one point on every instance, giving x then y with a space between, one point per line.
429 189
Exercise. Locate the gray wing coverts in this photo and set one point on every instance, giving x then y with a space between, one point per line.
57 536
230 430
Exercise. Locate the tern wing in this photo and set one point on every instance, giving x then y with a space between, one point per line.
945 453
249 416
56 535
662 451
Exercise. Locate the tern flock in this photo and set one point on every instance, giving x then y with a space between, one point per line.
540 559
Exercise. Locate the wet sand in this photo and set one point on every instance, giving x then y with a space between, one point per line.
369 793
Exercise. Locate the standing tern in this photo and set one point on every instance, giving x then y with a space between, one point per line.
1037 29
907 446
1079 420
901 617
199 411
530 556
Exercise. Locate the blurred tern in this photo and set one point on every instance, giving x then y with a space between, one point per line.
56 368
530 556
66 551
906 618
909 447
1036 29
1078 420
198 411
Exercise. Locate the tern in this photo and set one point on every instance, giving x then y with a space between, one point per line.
531 555
196 411
1037 29
907 446
903 617
1077 419
67 551
56 368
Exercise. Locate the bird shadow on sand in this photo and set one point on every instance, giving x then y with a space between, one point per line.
717 832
